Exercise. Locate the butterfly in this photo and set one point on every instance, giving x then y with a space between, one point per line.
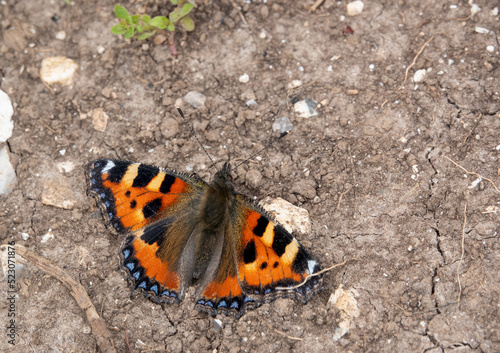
180 230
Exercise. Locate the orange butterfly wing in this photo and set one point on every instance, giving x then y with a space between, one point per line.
144 201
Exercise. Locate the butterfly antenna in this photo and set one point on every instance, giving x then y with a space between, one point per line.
283 134
194 134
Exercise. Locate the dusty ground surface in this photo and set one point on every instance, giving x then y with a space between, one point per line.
373 169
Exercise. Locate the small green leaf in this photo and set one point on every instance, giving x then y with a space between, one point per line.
160 22
188 23
145 35
135 19
175 16
118 29
129 33
170 27
175 2
145 19
186 9
122 12
139 29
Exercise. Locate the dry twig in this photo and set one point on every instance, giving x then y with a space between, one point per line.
99 328
316 5
315 274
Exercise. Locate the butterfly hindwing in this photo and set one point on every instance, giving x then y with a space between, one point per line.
270 259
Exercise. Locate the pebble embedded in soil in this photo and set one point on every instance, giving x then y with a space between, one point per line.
355 8
293 218
305 108
7 173
195 99
48 236
244 78
99 119
282 124
419 75
56 192
6 112
58 69
169 128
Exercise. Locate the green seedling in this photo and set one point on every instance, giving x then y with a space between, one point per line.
145 26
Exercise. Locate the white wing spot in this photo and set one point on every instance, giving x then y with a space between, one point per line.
311 264
108 166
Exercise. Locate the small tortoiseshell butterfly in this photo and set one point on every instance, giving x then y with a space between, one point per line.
180 230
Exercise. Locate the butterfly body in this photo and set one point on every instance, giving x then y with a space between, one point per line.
182 231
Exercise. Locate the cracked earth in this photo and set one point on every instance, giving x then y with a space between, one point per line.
385 173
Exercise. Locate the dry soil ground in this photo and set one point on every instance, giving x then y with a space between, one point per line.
385 169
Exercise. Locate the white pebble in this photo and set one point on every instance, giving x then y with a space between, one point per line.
490 48
295 84
481 30
305 108
6 112
494 12
355 8
58 69
47 236
474 9
7 174
25 236
195 99
419 75
244 78
61 35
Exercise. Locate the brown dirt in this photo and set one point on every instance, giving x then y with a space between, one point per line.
370 168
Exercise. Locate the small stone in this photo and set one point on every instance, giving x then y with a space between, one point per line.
253 178
56 192
6 112
99 119
244 78
65 167
352 92
355 8
7 173
217 325
251 102
305 108
25 236
474 9
306 188
293 218
344 301
58 69
294 84
481 30
60 35
490 48
169 128
48 236
15 38
195 99
282 124
264 11
494 12
419 75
